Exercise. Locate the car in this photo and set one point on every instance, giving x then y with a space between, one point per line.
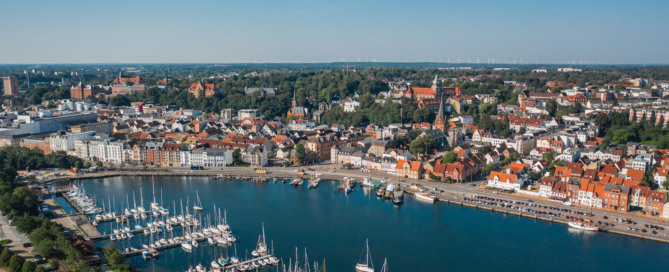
27 244
39 259
529 200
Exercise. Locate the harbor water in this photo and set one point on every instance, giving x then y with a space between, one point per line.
333 227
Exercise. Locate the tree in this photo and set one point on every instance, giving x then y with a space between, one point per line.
548 157
87 164
660 122
551 107
648 179
46 248
15 263
119 100
450 157
98 164
300 154
237 156
422 145
25 223
665 184
28 267
5 256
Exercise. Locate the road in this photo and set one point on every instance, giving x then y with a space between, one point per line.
18 239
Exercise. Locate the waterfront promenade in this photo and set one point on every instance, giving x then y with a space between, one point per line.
450 193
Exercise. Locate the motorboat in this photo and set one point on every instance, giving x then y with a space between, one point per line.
425 197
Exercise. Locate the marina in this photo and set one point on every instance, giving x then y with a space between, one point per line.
306 213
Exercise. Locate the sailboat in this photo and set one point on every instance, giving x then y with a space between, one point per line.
384 268
368 266
261 248
198 205
586 226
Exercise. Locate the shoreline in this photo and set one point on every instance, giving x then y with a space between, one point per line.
441 197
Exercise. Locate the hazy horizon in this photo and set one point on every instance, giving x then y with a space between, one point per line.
312 31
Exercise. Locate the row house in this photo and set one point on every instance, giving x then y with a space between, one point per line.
61 141
546 186
591 193
639 114
100 150
613 155
322 144
378 147
39 143
171 154
256 156
210 157
655 203
409 169
616 197
505 181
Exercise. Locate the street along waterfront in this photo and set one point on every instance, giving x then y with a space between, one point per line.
417 236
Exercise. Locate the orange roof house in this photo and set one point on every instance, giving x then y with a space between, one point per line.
199 88
634 174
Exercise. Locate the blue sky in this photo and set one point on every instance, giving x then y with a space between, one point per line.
148 31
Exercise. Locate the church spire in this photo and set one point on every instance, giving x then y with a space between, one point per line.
439 122
440 114
294 101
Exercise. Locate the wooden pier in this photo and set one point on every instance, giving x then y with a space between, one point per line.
235 266
168 246
134 231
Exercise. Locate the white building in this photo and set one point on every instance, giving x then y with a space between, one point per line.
351 105
505 181
211 157
62 141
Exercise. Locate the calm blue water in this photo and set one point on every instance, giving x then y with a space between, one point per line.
67 208
414 237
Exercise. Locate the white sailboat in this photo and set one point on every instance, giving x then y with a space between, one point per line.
585 226
368 266
198 205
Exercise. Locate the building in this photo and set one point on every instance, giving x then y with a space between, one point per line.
171 154
247 113
440 122
409 169
61 141
40 143
10 85
200 88
211 157
81 92
616 197
262 92
49 124
295 111
505 181
100 128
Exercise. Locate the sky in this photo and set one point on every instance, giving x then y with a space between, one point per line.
289 31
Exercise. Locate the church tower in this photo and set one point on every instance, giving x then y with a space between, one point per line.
294 102
436 87
439 122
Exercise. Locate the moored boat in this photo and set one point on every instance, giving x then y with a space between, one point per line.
425 197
